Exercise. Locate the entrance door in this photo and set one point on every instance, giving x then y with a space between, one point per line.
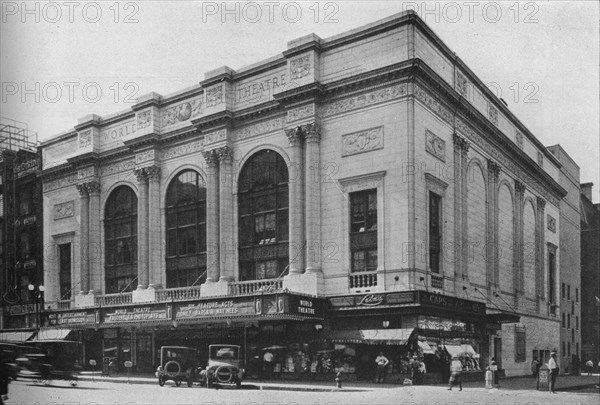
144 352
498 352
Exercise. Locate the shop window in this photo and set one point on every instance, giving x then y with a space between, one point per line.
263 230
520 344
186 230
435 234
120 238
64 270
363 230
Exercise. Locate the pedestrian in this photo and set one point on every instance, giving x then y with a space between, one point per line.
535 367
494 368
268 363
455 373
489 383
554 369
590 367
382 363
415 370
422 370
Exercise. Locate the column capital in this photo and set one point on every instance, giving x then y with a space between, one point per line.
140 174
460 144
519 188
83 191
541 203
224 153
87 188
210 157
153 173
493 169
295 135
311 132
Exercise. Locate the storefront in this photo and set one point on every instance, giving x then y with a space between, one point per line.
407 325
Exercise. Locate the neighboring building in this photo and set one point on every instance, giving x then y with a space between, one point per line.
20 225
570 262
590 276
358 193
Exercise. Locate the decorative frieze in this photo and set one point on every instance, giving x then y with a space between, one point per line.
300 67
540 159
214 95
119 167
185 149
364 100
551 223
362 141
435 145
181 112
493 114
301 112
60 182
145 156
144 119
85 139
86 172
519 138
461 84
260 128
63 210
216 136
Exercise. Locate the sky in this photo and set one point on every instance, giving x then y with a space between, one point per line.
63 60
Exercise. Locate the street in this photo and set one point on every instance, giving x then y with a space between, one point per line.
88 392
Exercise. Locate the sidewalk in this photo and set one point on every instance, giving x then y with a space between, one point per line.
563 383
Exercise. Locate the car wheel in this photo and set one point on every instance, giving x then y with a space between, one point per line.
161 382
177 382
73 383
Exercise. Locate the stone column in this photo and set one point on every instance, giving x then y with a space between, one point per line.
458 237
312 177
540 249
226 250
142 228
212 216
154 230
464 169
492 223
296 207
94 243
84 231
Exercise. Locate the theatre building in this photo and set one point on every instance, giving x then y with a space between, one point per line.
353 194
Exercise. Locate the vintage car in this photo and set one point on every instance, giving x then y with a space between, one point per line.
177 363
52 360
224 366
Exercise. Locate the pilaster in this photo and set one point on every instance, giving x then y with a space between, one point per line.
84 231
464 168
95 245
212 216
312 176
227 249
540 249
142 228
296 205
492 220
154 231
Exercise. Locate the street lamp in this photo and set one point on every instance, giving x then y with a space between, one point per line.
38 293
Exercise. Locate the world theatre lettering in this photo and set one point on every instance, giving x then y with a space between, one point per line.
136 314
260 90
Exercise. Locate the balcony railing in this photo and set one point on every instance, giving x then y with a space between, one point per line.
178 294
362 280
255 286
113 299
63 304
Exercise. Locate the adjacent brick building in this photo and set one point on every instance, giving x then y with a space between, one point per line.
358 193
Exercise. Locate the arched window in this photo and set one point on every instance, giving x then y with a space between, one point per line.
263 217
120 240
186 230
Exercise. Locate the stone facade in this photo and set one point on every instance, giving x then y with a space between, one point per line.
387 128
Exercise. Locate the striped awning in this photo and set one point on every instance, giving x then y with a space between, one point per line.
45 335
426 348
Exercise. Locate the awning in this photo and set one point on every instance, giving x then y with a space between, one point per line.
426 348
15 337
501 317
45 335
461 350
371 336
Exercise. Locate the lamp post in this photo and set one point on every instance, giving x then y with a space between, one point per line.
38 293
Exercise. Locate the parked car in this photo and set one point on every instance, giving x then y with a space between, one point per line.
178 363
224 366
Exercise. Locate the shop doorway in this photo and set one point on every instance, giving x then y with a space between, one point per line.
498 351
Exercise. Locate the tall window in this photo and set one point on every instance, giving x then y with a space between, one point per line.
551 272
120 237
363 230
263 217
64 270
435 234
186 230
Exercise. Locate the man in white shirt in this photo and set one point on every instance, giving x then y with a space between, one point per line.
268 360
554 368
382 363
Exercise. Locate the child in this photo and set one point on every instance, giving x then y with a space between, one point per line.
488 378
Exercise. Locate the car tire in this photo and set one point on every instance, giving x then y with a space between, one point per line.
161 382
